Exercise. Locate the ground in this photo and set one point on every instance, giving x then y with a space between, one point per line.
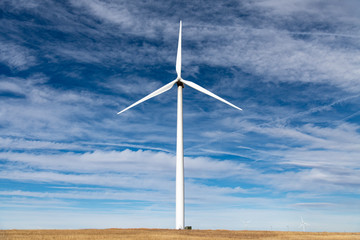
112 234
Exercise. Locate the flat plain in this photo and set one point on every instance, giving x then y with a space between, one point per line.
112 234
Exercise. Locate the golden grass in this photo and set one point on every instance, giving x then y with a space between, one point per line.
137 234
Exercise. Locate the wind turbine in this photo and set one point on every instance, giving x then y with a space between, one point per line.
180 208
246 223
303 225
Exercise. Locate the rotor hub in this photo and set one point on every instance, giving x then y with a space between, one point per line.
180 83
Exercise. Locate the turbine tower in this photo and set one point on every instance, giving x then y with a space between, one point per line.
180 207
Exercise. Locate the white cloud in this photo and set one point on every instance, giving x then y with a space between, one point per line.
42 110
21 144
130 163
15 56
156 170
20 4
113 12
276 56
330 10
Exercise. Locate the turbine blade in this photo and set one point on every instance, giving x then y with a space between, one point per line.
178 57
151 95
203 90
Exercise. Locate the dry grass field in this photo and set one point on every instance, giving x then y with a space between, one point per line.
112 234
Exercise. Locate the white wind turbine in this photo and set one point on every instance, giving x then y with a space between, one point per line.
246 223
303 225
180 212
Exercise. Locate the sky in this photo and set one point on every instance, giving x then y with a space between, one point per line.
69 161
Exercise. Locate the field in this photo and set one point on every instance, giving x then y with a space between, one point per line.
112 234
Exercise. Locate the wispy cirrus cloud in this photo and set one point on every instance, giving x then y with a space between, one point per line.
16 56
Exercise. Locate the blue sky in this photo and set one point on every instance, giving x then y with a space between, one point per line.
68 161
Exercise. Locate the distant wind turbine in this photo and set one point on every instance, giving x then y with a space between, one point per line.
246 223
303 225
180 212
